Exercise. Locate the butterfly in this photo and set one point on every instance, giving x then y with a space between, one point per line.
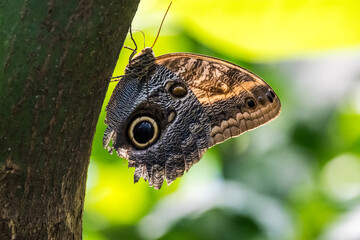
166 111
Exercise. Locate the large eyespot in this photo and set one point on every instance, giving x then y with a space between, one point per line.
143 131
250 102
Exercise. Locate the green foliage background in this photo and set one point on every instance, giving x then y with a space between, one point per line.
295 178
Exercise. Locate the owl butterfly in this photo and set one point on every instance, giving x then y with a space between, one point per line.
166 111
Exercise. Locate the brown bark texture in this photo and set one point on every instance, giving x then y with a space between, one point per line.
56 59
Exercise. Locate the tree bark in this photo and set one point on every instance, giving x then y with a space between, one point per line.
56 59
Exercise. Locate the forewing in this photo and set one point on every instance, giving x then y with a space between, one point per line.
235 99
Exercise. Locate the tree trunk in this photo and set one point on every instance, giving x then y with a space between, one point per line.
56 58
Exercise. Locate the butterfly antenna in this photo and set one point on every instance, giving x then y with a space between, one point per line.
117 78
128 48
134 50
161 24
142 34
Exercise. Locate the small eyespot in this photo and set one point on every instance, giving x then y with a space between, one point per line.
171 116
143 131
261 100
178 90
250 102
269 97
272 94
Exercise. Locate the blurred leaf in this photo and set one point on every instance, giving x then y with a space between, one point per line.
349 124
215 224
268 30
340 177
313 216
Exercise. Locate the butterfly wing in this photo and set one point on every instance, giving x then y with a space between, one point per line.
234 99
163 116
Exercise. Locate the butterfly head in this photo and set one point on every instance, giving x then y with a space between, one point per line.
142 64
145 53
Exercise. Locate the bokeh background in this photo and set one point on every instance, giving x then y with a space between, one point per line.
297 177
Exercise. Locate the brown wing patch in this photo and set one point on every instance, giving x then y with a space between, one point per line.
219 78
235 99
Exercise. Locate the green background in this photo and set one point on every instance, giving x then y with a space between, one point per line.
297 177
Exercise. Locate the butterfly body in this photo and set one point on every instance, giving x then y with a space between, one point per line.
167 111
